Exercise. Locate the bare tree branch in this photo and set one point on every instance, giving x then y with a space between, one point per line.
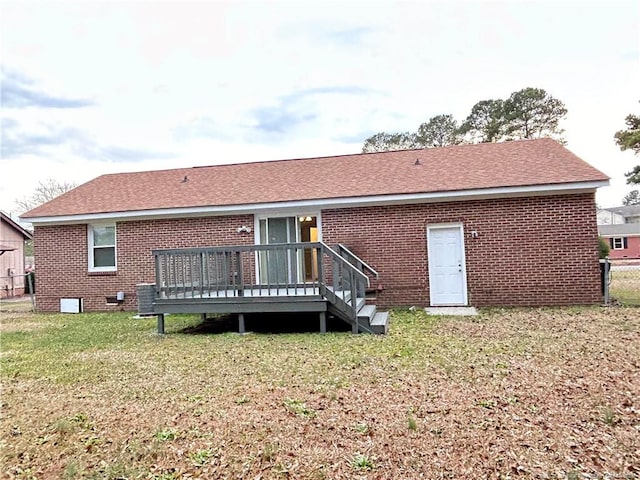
46 191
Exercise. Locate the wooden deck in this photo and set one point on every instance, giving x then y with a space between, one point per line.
298 277
249 293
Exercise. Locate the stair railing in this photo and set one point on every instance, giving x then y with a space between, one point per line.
355 260
343 285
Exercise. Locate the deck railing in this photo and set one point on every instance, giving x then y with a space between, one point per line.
251 272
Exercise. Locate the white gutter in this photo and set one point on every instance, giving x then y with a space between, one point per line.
325 203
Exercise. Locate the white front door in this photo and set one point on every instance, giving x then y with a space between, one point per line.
447 272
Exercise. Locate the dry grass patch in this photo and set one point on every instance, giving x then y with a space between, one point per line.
625 286
16 316
18 326
21 304
545 393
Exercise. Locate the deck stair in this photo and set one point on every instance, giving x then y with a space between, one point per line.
241 279
370 320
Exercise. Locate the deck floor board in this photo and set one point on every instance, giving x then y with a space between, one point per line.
281 292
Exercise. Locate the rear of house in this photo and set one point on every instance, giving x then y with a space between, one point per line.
487 224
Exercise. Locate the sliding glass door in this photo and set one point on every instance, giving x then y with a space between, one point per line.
285 265
278 267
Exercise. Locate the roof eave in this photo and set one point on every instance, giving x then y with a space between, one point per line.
325 203
26 234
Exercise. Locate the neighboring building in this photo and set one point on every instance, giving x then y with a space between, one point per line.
622 232
608 217
12 266
629 213
487 224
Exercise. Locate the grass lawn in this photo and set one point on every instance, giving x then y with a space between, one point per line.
535 393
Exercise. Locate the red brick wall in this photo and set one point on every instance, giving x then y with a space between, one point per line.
61 257
529 251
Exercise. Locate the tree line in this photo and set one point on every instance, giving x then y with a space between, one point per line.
629 139
527 113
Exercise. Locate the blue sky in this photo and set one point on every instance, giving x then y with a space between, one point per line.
98 87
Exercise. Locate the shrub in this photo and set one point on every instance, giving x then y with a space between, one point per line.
603 247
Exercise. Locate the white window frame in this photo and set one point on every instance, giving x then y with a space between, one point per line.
619 241
91 247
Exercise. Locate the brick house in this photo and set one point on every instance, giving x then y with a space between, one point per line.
621 227
487 224
12 267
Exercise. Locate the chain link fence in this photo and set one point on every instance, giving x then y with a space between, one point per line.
20 288
622 281
12 286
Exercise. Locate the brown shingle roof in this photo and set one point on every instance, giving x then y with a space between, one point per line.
464 167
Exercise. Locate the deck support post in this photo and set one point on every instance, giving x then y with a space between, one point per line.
354 326
323 322
161 324
241 328
203 317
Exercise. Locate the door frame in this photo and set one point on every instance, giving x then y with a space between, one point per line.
296 214
460 227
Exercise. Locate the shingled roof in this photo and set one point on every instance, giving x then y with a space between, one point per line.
433 170
619 229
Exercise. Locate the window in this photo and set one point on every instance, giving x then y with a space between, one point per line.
102 248
619 243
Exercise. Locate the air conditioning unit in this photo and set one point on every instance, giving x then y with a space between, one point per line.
146 293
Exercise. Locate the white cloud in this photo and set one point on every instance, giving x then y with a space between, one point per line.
188 83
